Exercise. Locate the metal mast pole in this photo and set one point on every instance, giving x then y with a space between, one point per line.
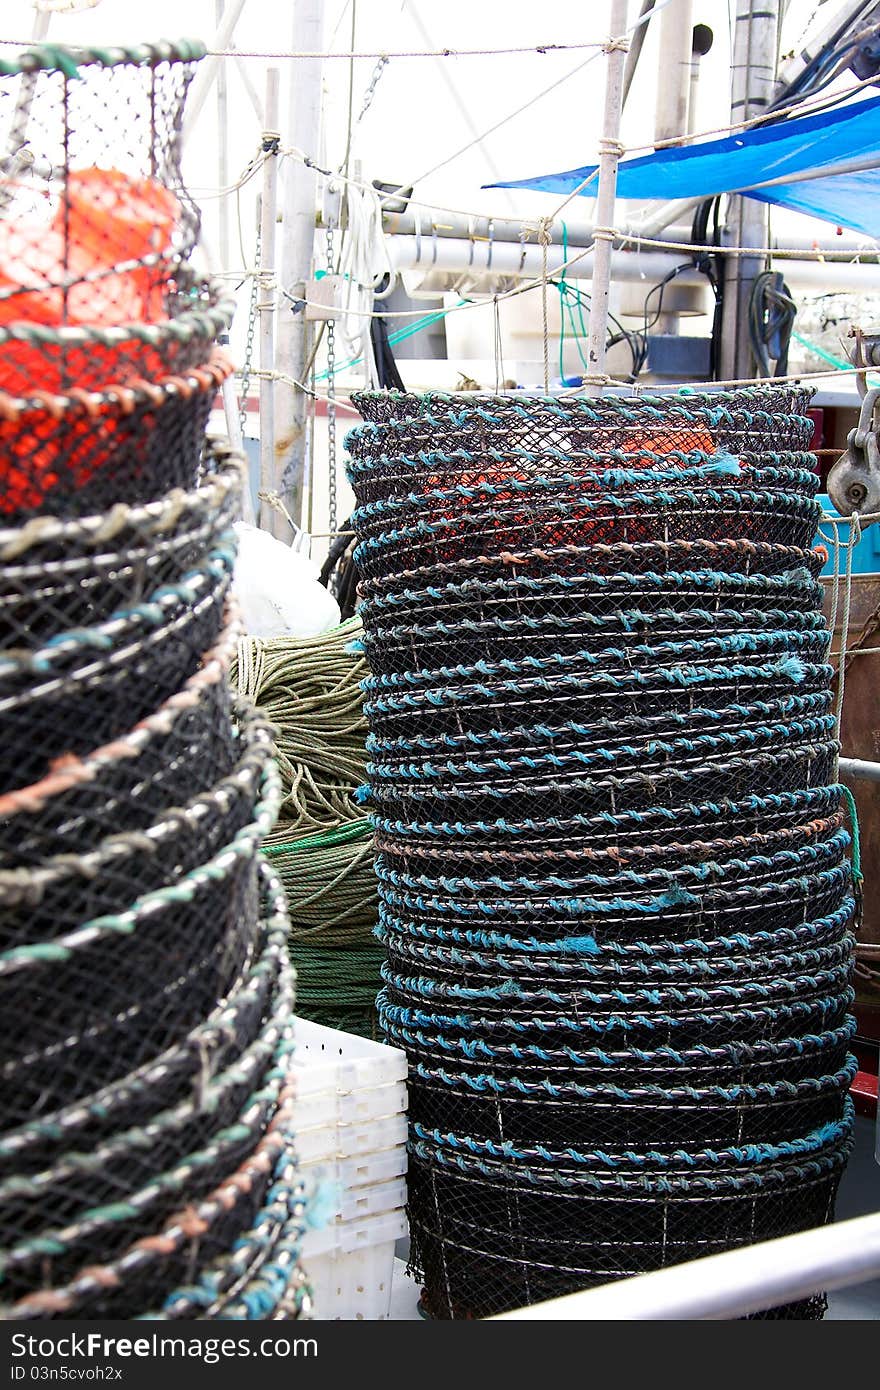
610 150
673 87
267 293
299 202
753 78
222 148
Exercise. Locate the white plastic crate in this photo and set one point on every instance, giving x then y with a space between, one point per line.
326 1060
356 1202
351 1267
350 1125
324 1109
379 1165
350 1141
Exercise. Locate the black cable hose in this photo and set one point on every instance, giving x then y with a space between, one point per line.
772 314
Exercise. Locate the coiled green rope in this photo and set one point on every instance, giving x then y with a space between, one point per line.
322 847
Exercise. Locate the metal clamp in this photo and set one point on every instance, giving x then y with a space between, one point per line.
854 481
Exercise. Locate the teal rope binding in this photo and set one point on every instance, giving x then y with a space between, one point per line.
69 60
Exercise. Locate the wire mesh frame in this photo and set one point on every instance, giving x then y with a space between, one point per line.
206 919
100 697
179 748
161 606
57 574
665 1119
210 1224
697 877
751 403
459 855
655 559
541 1244
94 212
171 1076
195 312
618 519
745 958
794 1057
49 898
225 1183
84 451
637 955
798 764
131 1158
239 1284
613 831
401 647
794 588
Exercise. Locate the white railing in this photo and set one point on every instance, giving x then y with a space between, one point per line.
732 1284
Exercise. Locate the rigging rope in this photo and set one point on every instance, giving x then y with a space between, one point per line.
322 846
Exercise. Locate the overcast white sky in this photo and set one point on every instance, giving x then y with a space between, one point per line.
424 110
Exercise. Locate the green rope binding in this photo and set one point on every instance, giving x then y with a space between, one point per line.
67 60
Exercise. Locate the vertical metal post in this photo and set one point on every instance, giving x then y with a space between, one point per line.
610 151
753 77
208 68
673 86
295 332
267 290
222 148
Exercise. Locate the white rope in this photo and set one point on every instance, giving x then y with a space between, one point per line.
855 535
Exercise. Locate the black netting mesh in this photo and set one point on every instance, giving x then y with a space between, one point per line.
94 217
80 452
194 312
57 575
146 993
614 885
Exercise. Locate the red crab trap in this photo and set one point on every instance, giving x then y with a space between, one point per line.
107 367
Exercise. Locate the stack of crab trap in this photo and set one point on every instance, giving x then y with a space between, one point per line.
145 992
613 869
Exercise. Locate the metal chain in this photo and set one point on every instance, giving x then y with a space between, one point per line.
331 399
247 366
371 90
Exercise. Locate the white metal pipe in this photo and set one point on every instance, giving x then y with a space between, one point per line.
207 71
732 1284
222 148
266 299
635 48
753 78
297 252
674 70
505 259
428 222
253 94
859 768
610 151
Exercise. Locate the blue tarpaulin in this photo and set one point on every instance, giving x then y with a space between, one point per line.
826 165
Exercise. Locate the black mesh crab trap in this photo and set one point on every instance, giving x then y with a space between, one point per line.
56 894
58 573
614 888
145 1187
49 714
83 451
178 749
94 218
492 1231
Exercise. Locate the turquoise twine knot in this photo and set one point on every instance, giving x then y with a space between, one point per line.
852 811
60 58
